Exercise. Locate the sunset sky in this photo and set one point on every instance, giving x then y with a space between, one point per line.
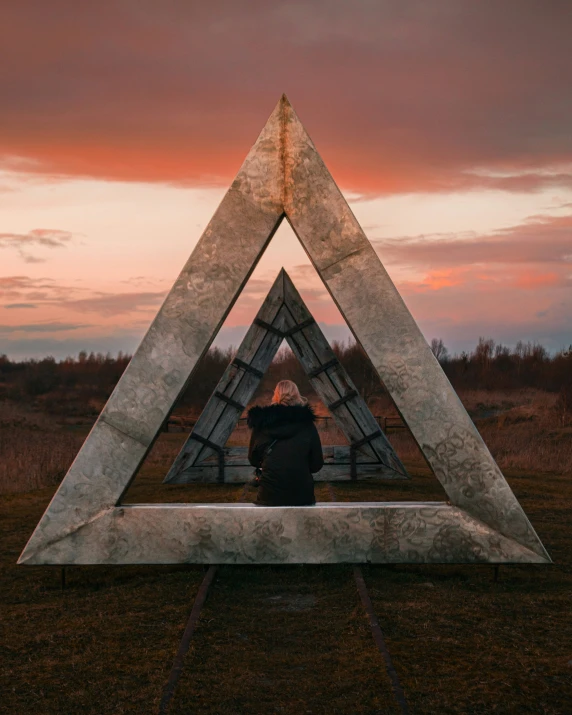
447 125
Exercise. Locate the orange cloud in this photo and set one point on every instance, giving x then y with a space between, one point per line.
397 101
485 280
451 278
535 279
442 279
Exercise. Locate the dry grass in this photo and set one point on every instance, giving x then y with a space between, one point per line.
290 640
34 451
284 640
522 428
480 402
103 645
530 447
528 433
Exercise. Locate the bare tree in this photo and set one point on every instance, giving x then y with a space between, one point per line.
439 350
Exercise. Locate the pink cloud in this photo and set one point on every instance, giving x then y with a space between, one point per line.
541 240
36 238
51 295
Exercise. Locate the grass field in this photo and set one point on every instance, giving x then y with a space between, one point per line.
523 428
290 639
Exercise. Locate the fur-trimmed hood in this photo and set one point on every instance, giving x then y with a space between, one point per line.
280 420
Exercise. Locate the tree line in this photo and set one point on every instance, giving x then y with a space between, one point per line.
493 366
80 385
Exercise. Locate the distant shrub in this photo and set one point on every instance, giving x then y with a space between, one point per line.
564 402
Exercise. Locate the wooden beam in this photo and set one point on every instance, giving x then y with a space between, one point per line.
352 416
219 418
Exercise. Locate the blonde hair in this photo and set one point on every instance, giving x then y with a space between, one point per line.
287 393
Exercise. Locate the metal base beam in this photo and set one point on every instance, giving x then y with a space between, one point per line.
328 533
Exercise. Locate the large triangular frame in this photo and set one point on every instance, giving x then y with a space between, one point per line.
284 316
283 176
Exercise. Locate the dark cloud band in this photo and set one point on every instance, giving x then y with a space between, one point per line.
400 97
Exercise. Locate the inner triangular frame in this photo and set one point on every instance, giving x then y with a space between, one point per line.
284 316
283 176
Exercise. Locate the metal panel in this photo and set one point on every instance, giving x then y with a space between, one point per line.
384 327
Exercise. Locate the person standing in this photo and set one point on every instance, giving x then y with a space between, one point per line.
285 448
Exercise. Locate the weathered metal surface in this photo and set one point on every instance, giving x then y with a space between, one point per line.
185 326
283 174
246 534
384 327
282 314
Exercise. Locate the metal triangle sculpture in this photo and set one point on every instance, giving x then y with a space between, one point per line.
284 316
283 176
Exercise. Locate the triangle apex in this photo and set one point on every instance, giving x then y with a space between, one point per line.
283 103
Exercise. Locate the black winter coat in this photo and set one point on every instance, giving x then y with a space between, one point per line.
286 478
